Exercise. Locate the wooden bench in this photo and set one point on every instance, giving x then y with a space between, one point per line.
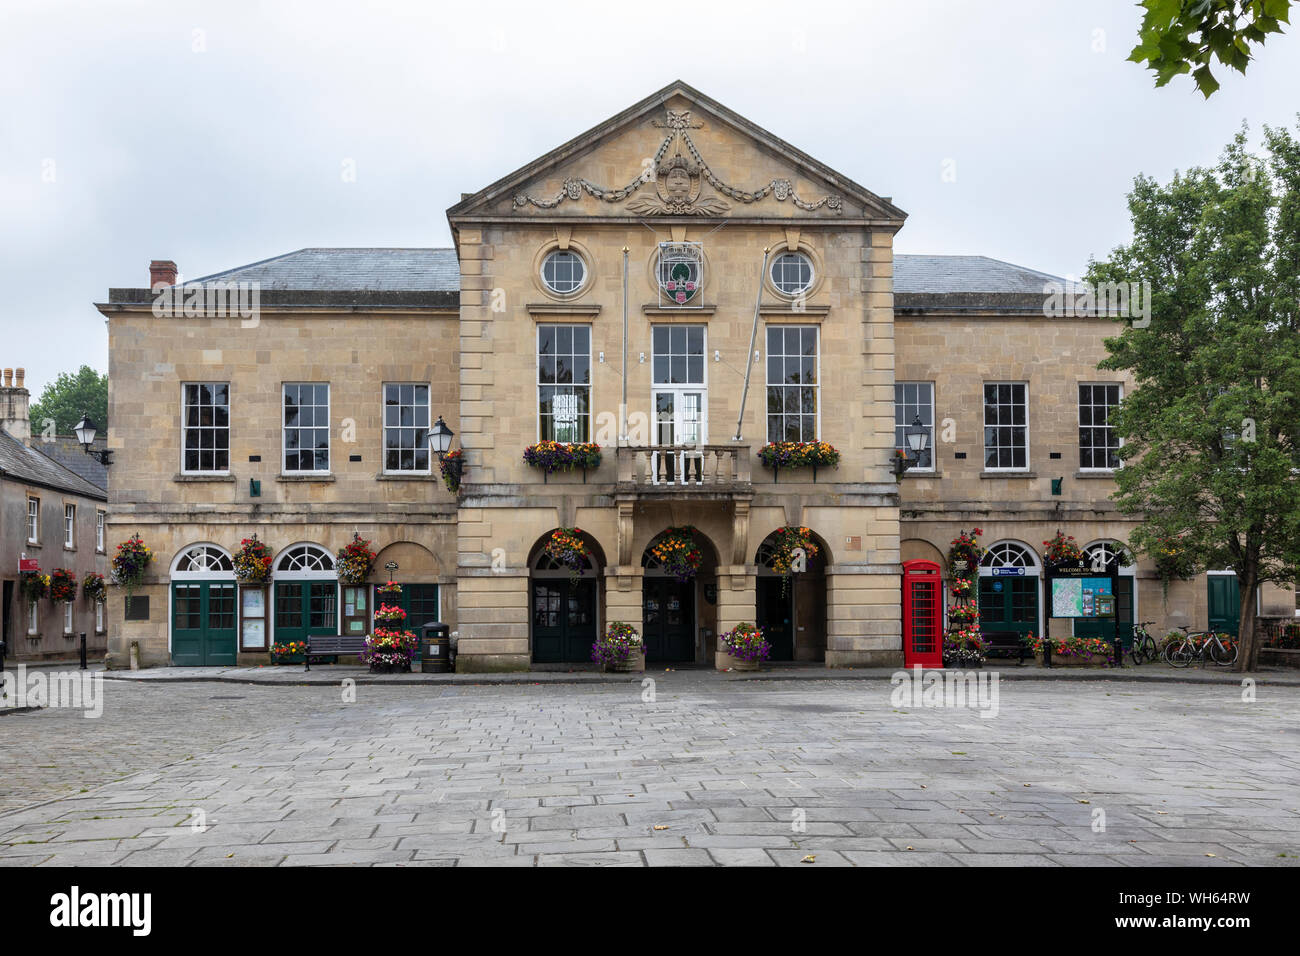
1005 644
334 645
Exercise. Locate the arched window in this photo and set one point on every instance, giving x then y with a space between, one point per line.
545 562
306 557
1102 553
205 559
1008 554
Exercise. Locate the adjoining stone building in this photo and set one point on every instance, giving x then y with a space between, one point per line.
53 508
305 423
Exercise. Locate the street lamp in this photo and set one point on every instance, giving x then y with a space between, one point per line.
917 437
85 430
440 443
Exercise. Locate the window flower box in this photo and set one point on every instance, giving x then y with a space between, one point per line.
552 456
798 454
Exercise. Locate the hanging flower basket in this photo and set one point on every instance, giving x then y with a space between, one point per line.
92 587
965 554
566 547
63 586
389 616
620 649
389 650
252 561
551 456
391 589
799 454
1062 549
677 553
792 553
452 466
355 561
129 563
747 645
35 586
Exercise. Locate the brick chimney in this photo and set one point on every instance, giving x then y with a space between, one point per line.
162 272
14 399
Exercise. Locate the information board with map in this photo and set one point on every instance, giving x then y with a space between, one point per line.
1082 597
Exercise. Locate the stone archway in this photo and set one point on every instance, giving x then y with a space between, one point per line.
679 612
791 609
564 604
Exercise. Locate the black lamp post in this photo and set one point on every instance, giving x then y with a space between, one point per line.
86 437
917 437
440 437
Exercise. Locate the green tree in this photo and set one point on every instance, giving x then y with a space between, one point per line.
70 396
1223 29
1212 429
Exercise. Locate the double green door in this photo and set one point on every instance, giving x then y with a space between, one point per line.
1009 603
305 609
203 624
564 620
776 617
1224 603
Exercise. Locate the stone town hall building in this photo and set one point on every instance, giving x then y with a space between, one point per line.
307 423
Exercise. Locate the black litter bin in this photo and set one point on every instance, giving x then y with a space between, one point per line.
435 648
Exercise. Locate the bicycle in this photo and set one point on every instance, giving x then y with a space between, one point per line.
1199 646
1143 648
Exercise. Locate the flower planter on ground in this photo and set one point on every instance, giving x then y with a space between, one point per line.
744 646
620 649
1074 660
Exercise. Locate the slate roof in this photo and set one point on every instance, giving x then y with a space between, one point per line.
67 451
25 464
351 270
971 274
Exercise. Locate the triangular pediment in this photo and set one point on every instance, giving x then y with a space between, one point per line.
677 154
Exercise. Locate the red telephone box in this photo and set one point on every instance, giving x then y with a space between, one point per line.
922 614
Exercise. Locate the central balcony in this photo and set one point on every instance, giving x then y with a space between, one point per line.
675 469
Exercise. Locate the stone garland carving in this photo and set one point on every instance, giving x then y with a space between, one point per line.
677 183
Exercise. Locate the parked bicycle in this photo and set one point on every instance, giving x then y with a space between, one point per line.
1200 646
1144 645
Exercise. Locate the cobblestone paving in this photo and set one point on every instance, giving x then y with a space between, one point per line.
707 773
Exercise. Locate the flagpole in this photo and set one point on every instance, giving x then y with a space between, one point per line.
753 335
622 408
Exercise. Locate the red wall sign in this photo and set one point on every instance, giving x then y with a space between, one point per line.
28 564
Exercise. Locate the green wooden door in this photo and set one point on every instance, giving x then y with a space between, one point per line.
564 620
1009 604
304 609
203 624
776 617
1225 602
1104 627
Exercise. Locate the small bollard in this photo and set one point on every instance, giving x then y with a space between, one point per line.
306 656
1119 652
1047 652
83 650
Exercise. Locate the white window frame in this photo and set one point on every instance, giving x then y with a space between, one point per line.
582 279
384 426
539 384
812 274
984 448
100 517
817 370
915 469
284 430
69 526
1079 407
33 617
68 620
229 428
99 617
33 519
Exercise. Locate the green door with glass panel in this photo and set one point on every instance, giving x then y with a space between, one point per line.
1009 603
305 609
203 624
564 620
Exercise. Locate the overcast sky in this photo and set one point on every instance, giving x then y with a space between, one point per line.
215 133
